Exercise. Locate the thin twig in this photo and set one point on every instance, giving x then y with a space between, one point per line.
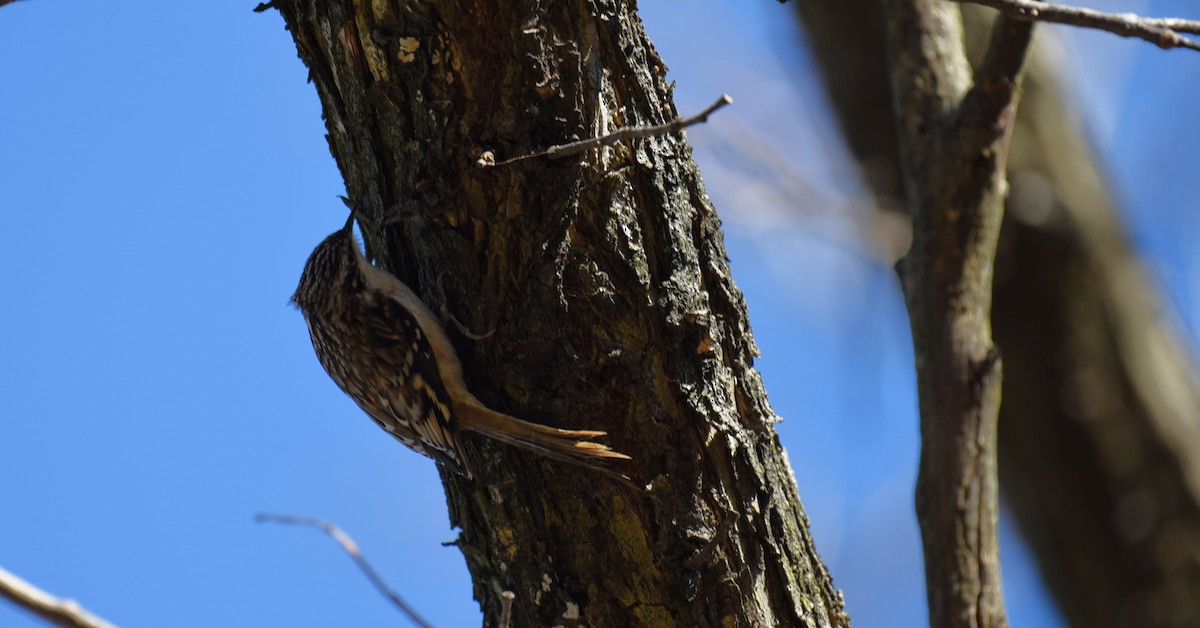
624 133
351 548
1162 32
506 602
58 611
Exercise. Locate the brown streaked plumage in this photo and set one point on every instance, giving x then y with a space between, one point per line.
388 351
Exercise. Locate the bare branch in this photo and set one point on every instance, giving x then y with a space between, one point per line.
351 548
1162 32
58 611
953 153
626 133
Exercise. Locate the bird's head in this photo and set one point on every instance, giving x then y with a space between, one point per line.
329 268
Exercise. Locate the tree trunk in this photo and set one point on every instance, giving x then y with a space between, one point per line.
605 280
1094 457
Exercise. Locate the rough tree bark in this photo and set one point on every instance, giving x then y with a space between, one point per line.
1096 458
605 280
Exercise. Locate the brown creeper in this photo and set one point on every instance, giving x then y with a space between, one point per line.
385 349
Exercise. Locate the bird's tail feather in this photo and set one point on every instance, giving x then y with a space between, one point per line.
573 446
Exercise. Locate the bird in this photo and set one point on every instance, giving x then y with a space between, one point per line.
388 351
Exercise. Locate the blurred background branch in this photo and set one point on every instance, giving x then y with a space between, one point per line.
954 132
1099 447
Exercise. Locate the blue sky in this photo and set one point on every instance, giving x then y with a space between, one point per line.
164 175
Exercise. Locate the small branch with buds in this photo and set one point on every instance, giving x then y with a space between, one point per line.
351 548
487 160
1162 32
